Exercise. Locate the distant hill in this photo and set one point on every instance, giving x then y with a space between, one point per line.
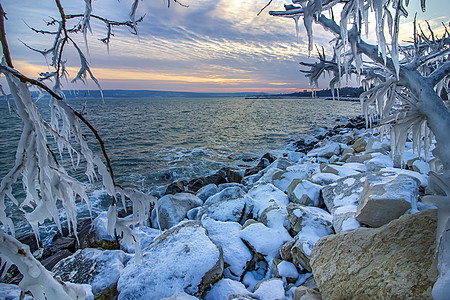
345 93
146 94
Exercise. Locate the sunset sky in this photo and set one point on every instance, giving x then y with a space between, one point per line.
211 46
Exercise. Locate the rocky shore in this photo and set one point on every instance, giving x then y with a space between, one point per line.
332 219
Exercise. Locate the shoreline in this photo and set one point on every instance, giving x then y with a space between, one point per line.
265 220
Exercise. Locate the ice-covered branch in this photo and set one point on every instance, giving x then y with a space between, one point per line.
440 73
36 279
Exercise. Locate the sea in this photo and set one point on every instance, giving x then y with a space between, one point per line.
153 142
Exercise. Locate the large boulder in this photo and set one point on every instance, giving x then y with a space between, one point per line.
265 195
173 208
385 198
183 258
234 210
395 261
98 268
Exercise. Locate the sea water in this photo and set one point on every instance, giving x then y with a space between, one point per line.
153 142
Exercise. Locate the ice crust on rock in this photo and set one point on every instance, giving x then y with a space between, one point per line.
182 258
224 288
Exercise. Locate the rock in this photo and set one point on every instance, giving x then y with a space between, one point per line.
265 195
180 296
56 257
309 219
359 158
11 292
281 163
385 198
394 261
98 268
348 151
226 287
275 217
183 258
375 145
345 191
146 234
324 178
233 192
98 235
207 191
305 293
421 167
326 151
345 170
176 187
284 269
173 208
269 289
344 218
378 161
302 187
360 144
234 210
266 241
235 175
441 288
195 184
282 179
232 184
235 254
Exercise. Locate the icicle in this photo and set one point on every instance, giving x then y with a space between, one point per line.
106 177
111 217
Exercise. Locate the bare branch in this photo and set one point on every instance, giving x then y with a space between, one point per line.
439 74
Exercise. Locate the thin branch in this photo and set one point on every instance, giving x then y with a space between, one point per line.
6 53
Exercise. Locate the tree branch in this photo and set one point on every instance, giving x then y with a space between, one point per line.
439 74
6 53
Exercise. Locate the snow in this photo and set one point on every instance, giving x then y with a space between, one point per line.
227 235
287 269
232 192
305 187
265 195
11 292
265 240
270 289
349 181
224 288
423 179
350 224
422 167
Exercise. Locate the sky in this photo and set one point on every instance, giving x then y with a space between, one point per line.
210 46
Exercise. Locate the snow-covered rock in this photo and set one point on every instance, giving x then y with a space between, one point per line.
11 292
207 191
284 269
327 151
385 198
269 289
309 219
183 258
224 288
324 178
345 170
226 210
98 268
146 234
232 192
181 296
235 254
378 160
344 218
265 240
173 208
360 144
345 191
265 195
304 192
275 217
232 184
